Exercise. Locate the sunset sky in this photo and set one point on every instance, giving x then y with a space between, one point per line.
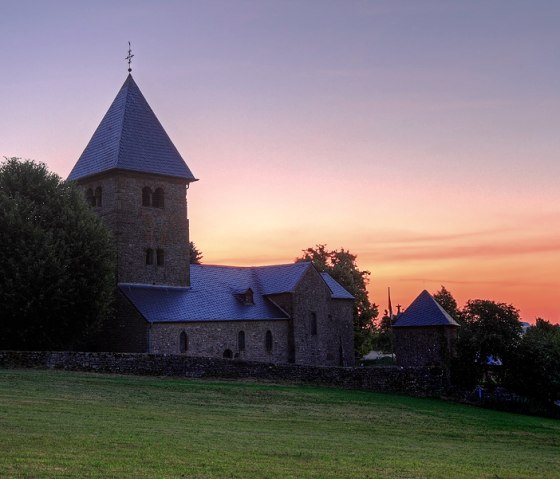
423 136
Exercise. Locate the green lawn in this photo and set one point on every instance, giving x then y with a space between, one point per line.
62 424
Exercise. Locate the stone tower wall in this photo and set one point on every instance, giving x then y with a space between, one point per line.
137 228
424 346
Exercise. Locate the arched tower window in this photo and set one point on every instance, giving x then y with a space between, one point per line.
228 354
241 340
183 342
268 341
159 257
149 256
158 198
90 199
98 196
146 196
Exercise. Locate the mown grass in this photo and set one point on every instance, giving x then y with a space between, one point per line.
60 424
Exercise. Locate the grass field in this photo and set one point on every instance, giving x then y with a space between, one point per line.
60 424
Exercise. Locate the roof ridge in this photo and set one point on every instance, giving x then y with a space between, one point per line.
125 84
341 292
155 286
262 266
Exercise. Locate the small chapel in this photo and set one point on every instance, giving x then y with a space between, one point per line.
135 179
425 334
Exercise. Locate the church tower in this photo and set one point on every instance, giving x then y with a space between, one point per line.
135 179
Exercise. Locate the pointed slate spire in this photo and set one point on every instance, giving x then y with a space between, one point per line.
130 137
425 311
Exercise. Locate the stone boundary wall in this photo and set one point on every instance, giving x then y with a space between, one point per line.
423 382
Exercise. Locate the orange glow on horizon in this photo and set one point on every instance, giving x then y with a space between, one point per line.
433 159
463 279
514 267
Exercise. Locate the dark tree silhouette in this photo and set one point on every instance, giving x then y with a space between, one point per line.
58 263
446 300
535 368
488 329
195 255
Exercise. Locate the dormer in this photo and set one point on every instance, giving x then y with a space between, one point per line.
245 297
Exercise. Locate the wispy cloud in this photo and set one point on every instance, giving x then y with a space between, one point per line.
502 242
477 282
481 250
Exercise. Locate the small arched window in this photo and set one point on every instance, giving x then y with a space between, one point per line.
183 342
313 325
149 256
241 340
159 257
98 197
268 341
158 198
228 354
90 199
146 196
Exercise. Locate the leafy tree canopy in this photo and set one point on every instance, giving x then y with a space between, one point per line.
342 266
195 255
58 265
487 329
531 361
446 300
495 327
535 369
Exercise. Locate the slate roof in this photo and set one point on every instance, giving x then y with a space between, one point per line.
338 292
130 137
424 311
212 296
276 279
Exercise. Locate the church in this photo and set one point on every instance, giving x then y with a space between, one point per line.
135 179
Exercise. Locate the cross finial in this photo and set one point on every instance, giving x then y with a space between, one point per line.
129 58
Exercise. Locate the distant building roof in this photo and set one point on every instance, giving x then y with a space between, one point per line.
214 291
424 311
130 137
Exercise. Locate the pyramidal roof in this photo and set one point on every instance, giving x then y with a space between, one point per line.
425 311
130 137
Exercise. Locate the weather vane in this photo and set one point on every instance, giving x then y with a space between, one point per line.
129 58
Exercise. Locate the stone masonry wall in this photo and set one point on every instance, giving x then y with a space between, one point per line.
137 228
212 338
424 346
411 381
311 300
340 318
331 343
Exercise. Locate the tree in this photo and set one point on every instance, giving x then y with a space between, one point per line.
341 265
488 329
446 300
195 255
535 368
57 280
384 336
